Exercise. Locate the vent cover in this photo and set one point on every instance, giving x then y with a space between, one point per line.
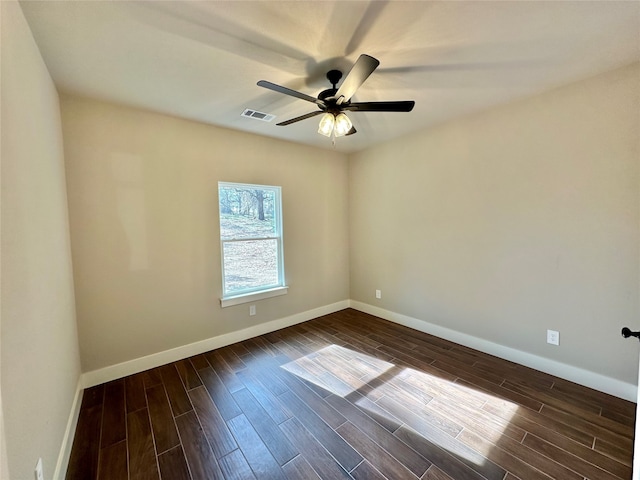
265 117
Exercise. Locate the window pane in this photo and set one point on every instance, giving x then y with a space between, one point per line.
247 213
250 264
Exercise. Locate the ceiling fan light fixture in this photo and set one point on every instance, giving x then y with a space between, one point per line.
326 124
343 125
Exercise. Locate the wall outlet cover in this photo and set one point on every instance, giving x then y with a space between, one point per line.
553 337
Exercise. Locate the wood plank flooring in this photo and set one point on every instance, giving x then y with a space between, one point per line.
349 395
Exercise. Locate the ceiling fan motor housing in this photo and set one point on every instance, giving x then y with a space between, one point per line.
326 95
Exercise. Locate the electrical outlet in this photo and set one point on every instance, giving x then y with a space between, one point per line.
378 294
252 310
553 337
38 472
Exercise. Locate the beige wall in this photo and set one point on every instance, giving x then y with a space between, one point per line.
142 191
40 359
517 220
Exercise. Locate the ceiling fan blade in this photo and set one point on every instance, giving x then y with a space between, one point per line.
297 119
404 106
352 131
364 66
288 91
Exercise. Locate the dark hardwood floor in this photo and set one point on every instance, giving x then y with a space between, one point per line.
349 395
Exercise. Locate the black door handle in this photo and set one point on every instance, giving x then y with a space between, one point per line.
626 333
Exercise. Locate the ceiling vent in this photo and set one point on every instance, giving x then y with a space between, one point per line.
265 117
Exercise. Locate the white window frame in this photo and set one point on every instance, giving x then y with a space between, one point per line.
267 291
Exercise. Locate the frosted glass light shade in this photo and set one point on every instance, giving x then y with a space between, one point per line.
326 124
343 125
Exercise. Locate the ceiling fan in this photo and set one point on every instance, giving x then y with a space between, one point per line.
334 101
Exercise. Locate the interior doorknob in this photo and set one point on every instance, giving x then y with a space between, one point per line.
626 333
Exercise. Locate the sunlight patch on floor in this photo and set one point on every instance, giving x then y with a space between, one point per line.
439 410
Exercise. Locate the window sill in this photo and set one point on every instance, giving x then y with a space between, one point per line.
252 297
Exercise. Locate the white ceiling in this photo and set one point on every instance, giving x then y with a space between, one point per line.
201 60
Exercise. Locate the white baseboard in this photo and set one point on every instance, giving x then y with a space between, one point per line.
113 372
612 386
67 441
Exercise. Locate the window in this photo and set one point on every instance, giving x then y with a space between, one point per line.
251 242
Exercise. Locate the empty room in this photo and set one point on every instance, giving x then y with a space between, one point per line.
319 240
